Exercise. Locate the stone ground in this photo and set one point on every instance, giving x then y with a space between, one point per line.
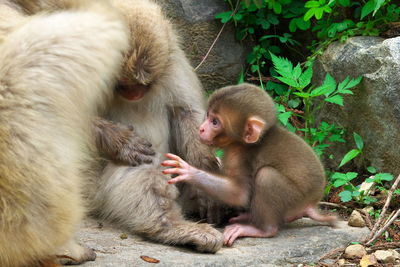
303 241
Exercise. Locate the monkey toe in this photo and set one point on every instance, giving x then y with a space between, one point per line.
208 239
85 254
233 231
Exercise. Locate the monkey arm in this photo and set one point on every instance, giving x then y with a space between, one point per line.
229 190
118 142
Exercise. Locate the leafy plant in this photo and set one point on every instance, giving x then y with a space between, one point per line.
354 152
300 91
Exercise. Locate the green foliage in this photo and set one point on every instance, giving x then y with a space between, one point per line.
273 23
299 91
278 27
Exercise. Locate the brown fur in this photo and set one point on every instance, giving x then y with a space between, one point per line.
52 81
268 171
284 169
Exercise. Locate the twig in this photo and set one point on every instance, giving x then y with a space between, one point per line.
383 229
366 218
216 38
331 253
385 207
385 246
332 205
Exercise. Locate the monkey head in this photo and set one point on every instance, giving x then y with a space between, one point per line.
238 114
148 57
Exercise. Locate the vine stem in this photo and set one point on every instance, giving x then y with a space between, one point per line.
216 39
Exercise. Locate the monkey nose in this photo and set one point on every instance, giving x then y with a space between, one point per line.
201 130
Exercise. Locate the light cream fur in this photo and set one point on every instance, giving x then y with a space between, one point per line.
56 71
139 198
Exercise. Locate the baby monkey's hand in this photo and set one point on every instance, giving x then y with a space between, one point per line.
185 172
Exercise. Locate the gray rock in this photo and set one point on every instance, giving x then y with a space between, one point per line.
374 110
303 241
196 24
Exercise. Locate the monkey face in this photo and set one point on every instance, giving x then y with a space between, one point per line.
213 132
130 90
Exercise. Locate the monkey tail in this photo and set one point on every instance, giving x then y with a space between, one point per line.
313 213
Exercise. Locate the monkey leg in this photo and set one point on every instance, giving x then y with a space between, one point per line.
241 218
272 197
140 200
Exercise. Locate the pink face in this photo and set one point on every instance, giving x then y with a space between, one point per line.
210 128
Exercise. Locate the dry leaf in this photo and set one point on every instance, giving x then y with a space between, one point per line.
149 259
123 236
368 260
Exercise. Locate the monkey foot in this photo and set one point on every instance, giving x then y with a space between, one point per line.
241 218
233 231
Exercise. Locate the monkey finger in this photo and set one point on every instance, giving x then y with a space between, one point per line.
146 159
173 171
180 178
146 150
170 163
173 156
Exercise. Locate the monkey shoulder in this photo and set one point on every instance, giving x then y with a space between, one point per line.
288 153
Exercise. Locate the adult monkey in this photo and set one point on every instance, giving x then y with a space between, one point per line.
53 81
159 94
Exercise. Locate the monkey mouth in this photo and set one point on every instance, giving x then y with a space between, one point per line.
133 92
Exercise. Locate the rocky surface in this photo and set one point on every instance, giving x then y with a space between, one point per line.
374 109
196 24
303 241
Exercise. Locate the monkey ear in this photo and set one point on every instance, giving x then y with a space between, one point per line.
254 127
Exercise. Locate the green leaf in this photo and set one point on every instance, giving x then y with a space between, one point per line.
310 4
282 65
358 140
330 83
277 8
294 103
296 72
336 99
367 8
349 156
322 90
353 82
293 25
273 19
302 24
309 14
378 5
384 176
284 117
345 196
319 12
305 78
303 95
344 3
371 170
288 81
237 17
224 16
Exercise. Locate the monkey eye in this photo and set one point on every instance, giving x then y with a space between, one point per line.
215 121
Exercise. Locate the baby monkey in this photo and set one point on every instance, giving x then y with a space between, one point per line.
268 171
